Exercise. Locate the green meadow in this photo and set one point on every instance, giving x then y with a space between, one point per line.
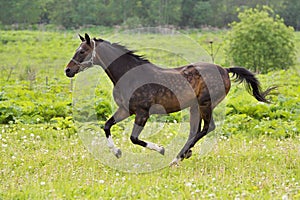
254 154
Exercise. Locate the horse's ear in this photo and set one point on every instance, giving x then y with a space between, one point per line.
81 38
87 38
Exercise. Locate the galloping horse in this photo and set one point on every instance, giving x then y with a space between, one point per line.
142 88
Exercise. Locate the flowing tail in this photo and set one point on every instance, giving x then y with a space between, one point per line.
252 84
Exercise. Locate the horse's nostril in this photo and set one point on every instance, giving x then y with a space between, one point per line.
67 70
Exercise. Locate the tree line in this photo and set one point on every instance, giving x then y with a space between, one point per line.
134 13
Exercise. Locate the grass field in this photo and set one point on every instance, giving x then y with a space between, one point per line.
38 162
255 154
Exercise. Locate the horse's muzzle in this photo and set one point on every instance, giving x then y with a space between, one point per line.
69 73
71 69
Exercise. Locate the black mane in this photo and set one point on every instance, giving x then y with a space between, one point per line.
124 48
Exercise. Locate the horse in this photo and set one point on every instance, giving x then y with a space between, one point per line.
141 88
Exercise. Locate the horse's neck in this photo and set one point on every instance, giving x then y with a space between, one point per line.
114 61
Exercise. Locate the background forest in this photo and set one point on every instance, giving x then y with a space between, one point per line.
134 13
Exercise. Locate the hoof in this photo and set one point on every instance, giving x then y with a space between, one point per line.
188 154
175 162
118 153
162 151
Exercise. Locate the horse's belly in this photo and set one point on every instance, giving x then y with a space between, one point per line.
173 103
157 99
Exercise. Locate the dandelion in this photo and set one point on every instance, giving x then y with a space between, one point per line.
42 183
188 184
285 197
101 181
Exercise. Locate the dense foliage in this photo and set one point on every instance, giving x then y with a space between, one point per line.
261 41
183 13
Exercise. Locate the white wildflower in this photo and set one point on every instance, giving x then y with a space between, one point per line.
188 184
101 181
285 197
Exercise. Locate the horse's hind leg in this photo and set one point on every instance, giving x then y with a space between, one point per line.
119 115
140 121
195 126
209 125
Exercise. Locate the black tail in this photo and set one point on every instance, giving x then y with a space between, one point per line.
252 84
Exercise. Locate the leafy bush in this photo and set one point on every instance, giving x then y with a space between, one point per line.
21 104
280 119
260 41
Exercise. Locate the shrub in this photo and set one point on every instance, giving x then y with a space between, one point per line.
260 41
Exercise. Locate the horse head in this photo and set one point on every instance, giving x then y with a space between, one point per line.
83 57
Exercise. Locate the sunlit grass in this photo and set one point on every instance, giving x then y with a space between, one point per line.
38 162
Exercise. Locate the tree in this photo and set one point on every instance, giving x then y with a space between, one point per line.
291 13
20 11
261 41
203 13
183 13
187 15
61 13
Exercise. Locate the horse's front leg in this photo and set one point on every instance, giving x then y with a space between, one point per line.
119 115
140 121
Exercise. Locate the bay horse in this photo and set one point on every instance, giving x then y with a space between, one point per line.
142 89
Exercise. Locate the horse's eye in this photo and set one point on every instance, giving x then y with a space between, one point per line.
82 52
